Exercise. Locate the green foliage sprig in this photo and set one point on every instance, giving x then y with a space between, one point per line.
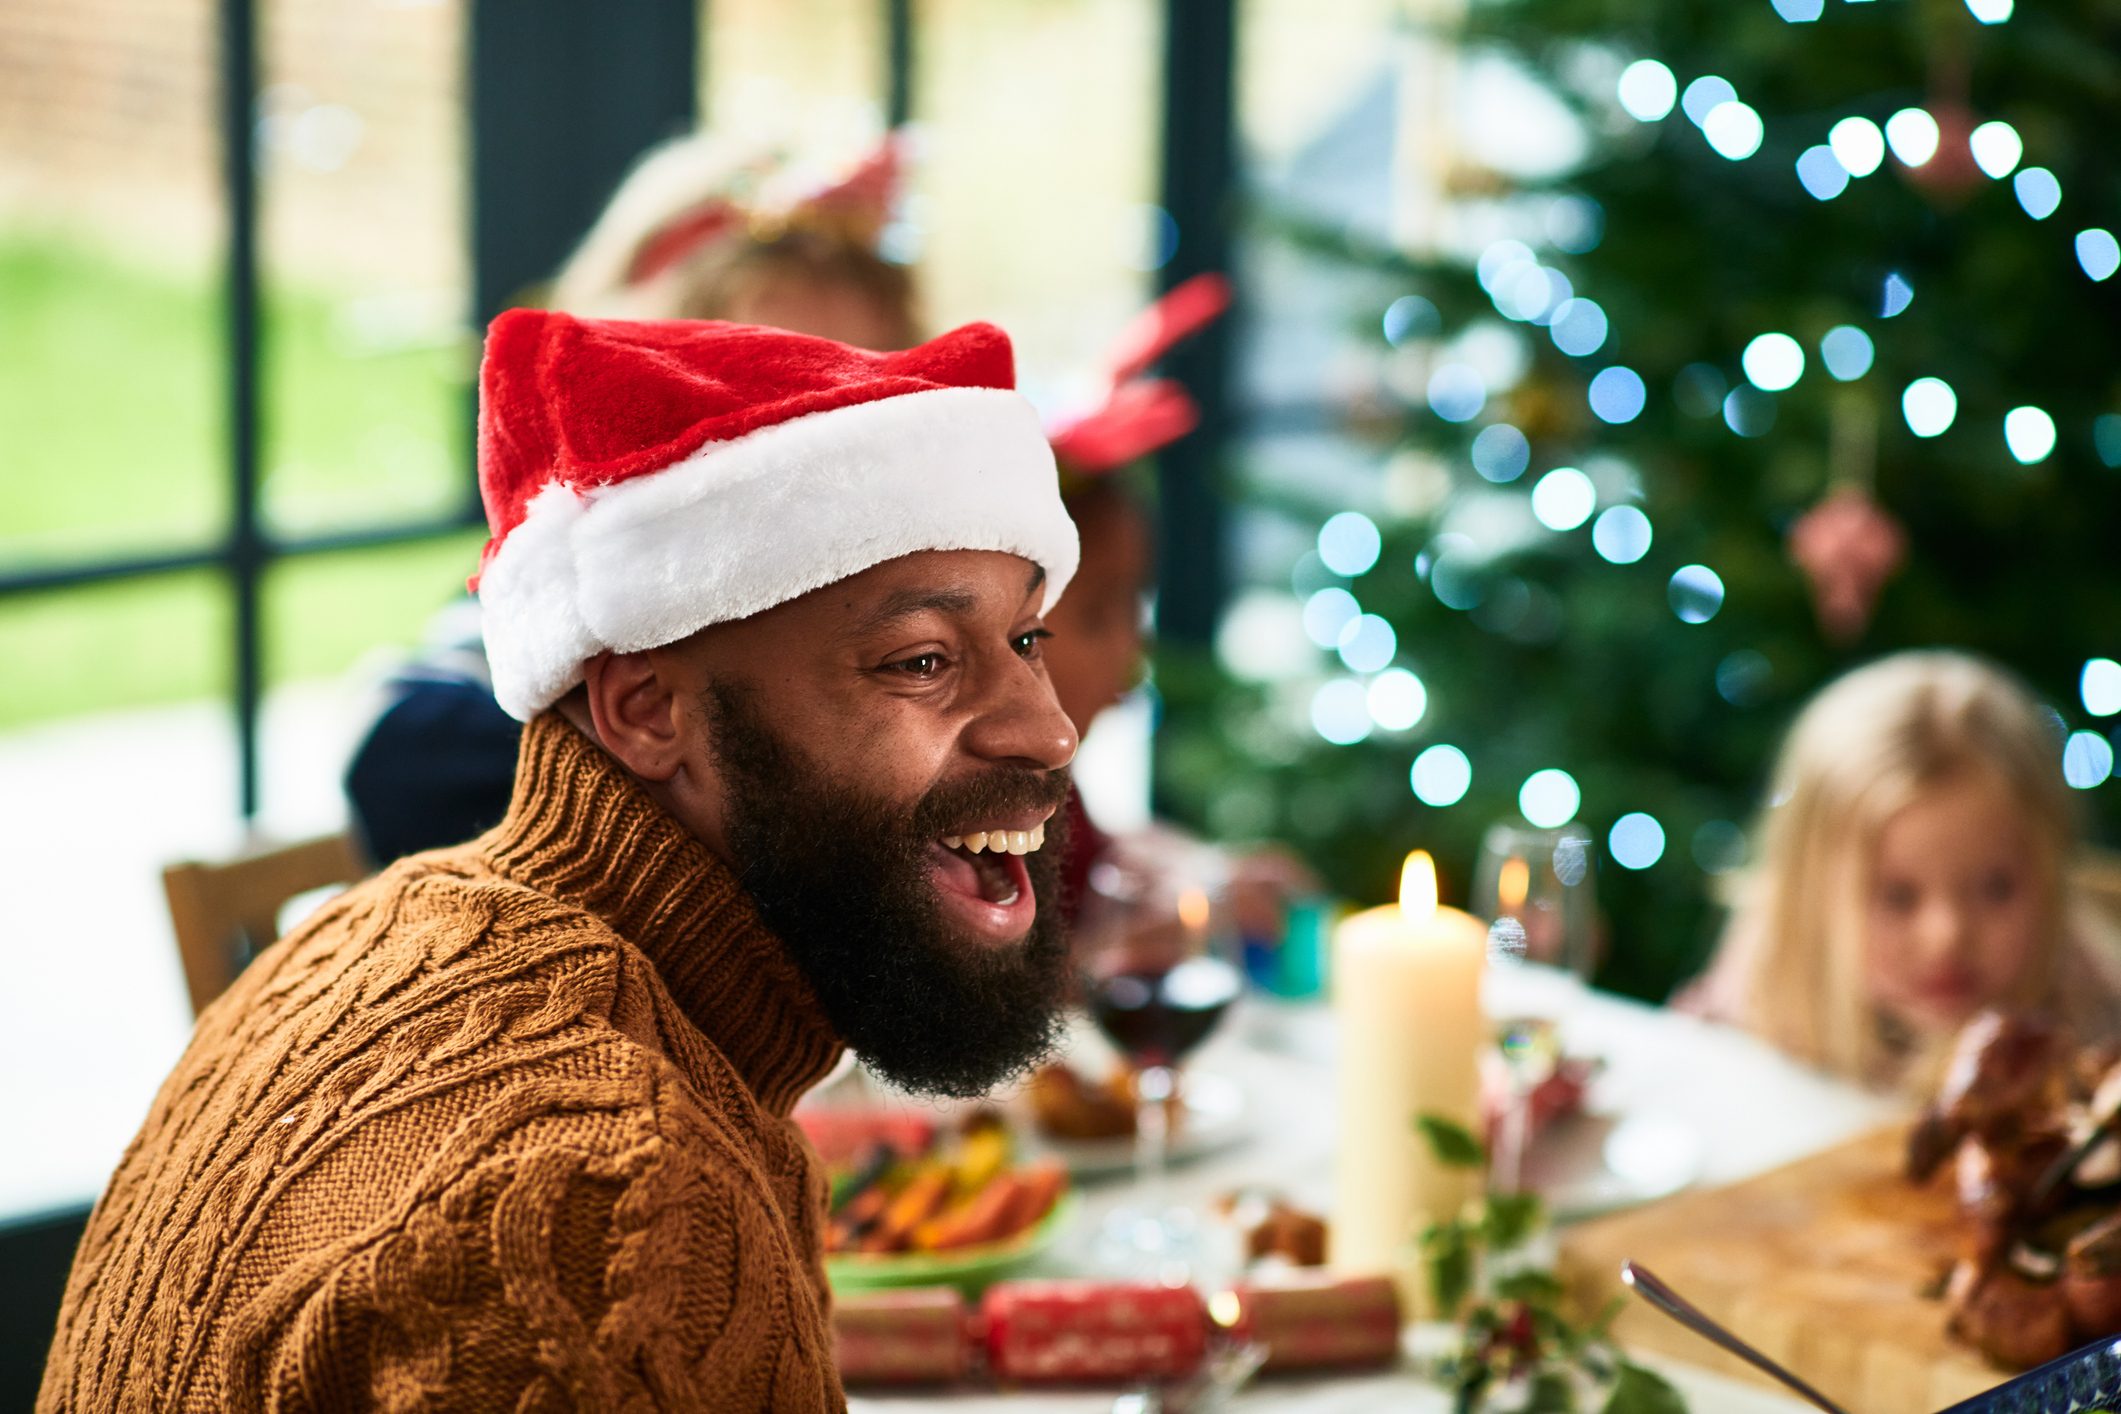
1519 1349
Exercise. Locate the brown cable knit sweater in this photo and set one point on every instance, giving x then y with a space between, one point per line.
504 1128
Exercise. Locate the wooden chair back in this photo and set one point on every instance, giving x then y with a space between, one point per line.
224 913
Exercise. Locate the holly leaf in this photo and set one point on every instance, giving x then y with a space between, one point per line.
1452 1143
1508 1219
1447 1251
1532 1287
1640 1391
1550 1392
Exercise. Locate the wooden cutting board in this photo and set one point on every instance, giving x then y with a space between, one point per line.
1819 1264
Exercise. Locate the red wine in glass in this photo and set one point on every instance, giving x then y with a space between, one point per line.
1157 1017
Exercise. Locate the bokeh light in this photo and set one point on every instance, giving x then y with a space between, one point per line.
1621 535
1636 840
2038 191
1411 317
1896 296
1648 90
1397 699
1800 12
1847 352
1549 798
1579 327
1499 260
1996 147
1441 776
1929 404
2100 687
1457 393
1821 174
1326 613
1912 134
2087 760
1617 394
1703 95
1564 498
1501 453
1773 362
1858 145
1749 412
1349 543
2098 252
1744 677
1367 643
1696 593
1719 847
1575 223
2029 433
1734 130
1990 12
2106 438
1340 712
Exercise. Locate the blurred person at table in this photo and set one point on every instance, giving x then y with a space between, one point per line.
1099 643
506 1126
701 228
1914 870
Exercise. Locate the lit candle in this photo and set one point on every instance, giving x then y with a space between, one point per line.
1406 985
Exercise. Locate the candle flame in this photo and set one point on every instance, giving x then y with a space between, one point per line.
1417 887
1193 909
1512 885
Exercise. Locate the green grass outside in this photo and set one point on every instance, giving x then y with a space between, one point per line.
111 441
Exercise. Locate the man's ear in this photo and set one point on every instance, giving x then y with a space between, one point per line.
634 704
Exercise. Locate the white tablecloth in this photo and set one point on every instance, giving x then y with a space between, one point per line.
1749 1109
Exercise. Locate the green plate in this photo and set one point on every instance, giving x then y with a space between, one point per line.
972 1267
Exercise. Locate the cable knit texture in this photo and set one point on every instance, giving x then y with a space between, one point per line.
504 1128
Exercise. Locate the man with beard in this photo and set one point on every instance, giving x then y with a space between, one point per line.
506 1127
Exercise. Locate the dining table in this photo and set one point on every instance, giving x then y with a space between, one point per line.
1710 1105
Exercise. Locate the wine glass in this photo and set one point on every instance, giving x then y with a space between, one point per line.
1535 889
1157 980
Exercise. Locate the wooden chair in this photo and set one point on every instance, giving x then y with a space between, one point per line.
224 913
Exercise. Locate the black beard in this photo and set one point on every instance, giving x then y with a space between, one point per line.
842 878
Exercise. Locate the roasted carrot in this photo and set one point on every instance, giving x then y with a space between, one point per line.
978 1219
917 1202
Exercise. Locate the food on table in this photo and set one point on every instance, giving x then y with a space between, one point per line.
1068 1106
1274 1229
2036 1273
1555 1097
945 1191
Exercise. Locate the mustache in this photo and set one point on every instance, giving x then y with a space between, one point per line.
976 801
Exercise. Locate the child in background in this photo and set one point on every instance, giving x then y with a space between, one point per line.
1914 869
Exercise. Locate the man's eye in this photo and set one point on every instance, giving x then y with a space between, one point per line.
921 665
1027 644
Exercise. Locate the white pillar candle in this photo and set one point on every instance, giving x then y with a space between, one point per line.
1406 984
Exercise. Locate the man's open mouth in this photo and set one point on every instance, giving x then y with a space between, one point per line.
988 864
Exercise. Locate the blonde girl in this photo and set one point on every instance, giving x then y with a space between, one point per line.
706 228
1914 868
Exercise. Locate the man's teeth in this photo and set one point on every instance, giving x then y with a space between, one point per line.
1000 841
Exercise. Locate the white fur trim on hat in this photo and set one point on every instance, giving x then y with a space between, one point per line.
740 526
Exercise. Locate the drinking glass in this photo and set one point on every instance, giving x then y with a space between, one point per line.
1157 978
1534 887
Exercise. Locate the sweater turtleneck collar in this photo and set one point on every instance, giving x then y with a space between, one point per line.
585 832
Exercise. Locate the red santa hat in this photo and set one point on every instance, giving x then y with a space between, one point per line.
646 479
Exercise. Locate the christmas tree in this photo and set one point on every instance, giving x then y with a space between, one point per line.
1815 355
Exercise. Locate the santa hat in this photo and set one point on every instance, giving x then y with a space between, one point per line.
646 479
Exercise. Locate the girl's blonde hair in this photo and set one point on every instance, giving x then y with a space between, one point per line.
752 229
1869 745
